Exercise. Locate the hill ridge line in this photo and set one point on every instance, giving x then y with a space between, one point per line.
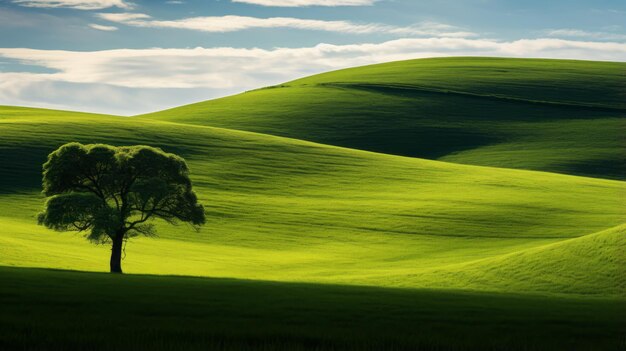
310 143
344 148
497 97
302 142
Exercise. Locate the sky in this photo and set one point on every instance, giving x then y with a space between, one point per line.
128 57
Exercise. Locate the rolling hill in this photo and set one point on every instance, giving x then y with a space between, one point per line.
372 206
550 115
283 209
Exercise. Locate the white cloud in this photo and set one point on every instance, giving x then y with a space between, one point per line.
224 24
303 3
213 72
125 17
577 33
75 4
103 28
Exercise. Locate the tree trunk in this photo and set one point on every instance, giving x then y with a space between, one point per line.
116 253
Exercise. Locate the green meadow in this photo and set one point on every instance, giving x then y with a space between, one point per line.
439 204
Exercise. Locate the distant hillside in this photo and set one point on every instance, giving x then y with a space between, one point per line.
550 115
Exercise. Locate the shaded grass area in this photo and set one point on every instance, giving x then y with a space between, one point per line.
551 115
411 90
62 310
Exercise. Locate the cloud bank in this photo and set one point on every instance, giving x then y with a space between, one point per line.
75 4
103 28
213 72
577 33
305 3
223 24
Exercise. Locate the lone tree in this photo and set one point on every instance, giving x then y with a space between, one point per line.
112 193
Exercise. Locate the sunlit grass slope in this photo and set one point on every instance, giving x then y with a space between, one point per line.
588 264
288 210
551 115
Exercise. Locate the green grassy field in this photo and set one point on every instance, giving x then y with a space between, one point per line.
288 210
426 253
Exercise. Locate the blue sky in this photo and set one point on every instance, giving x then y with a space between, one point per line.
127 57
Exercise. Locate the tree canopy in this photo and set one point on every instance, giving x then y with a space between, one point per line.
112 193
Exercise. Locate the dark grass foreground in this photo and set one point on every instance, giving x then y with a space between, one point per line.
59 310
